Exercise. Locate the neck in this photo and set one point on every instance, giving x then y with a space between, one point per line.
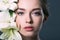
30 38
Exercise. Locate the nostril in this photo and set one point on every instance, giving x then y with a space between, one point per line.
29 20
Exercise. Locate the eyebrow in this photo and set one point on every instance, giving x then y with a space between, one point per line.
32 10
36 9
21 9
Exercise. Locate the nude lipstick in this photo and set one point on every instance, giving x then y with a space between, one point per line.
28 28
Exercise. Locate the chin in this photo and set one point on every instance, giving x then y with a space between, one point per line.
28 34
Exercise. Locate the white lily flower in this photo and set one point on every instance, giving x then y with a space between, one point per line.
3 6
13 6
17 36
7 24
7 4
9 29
4 16
0 0
10 34
11 1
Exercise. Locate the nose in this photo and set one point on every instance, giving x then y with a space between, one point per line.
29 19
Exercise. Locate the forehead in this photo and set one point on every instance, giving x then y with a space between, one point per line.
29 4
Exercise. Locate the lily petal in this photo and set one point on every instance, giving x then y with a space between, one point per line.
13 6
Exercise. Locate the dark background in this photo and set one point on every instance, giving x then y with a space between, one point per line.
51 28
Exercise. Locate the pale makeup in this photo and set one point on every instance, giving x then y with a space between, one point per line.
29 14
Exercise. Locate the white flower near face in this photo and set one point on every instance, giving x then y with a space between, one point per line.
8 4
11 1
4 19
8 27
4 16
13 6
7 24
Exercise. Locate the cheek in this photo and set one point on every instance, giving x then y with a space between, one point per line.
37 22
20 21
17 21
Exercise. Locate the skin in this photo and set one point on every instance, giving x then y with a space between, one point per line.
29 14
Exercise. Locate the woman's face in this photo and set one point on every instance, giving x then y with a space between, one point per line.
29 17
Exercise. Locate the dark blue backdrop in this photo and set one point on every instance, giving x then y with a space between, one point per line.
51 28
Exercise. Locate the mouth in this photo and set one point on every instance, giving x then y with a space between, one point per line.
29 28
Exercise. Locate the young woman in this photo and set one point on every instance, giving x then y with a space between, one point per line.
30 15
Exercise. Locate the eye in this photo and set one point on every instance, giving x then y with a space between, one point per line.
37 13
20 13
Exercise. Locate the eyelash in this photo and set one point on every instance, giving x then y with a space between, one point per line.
20 13
37 13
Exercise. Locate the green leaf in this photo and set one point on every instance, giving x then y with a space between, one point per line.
11 12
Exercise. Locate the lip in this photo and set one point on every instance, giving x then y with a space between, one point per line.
28 28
